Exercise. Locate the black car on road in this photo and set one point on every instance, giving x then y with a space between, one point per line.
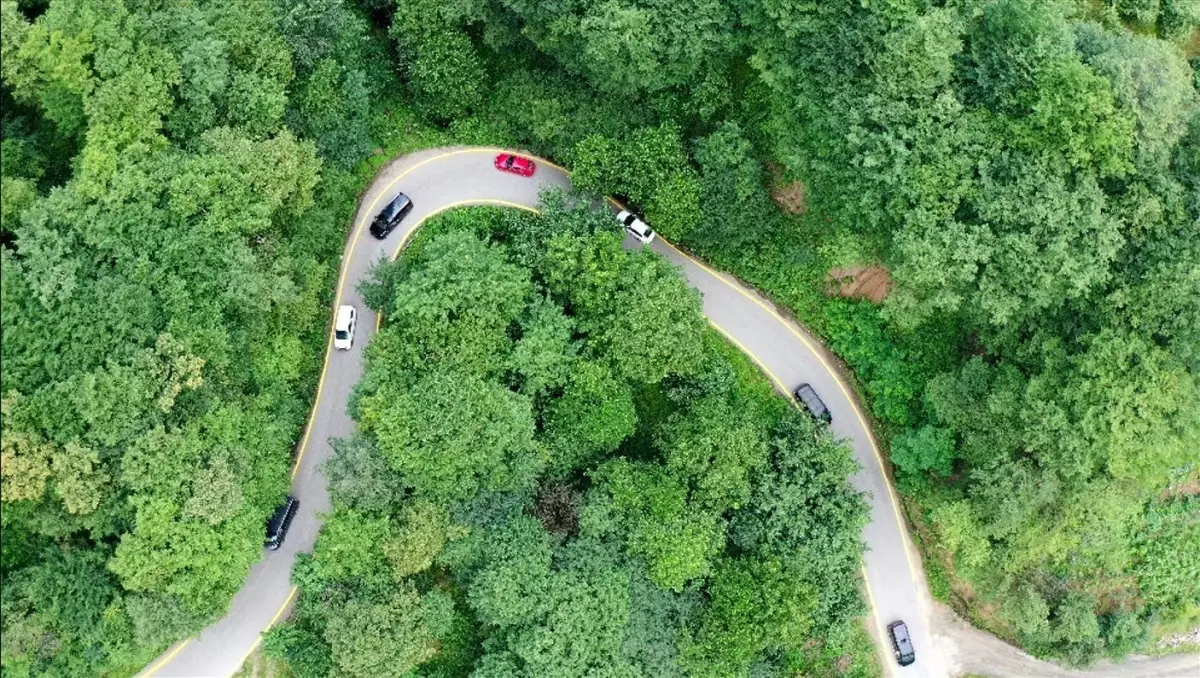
387 220
807 397
277 526
901 643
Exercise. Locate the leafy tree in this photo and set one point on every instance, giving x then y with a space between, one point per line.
717 447
359 475
350 545
456 304
1027 610
1076 626
443 66
367 638
803 512
929 449
482 429
422 535
544 355
1148 78
755 605
677 541
303 647
593 416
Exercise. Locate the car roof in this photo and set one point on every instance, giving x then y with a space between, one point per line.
343 315
810 398
900 631
637 224
396 205
280 513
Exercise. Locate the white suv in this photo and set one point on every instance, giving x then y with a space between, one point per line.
343 328
636 227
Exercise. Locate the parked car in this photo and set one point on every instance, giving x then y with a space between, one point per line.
343 328
387 220
901 643
808 397
507 162
636 227
277 526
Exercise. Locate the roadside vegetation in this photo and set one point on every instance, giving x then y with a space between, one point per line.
178 180
559 470
1028 173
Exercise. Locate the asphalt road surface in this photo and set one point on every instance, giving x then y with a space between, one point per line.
440 179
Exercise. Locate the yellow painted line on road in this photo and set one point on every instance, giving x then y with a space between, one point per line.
470 202
880 627
779 384
349 253
814 349
278 614
163 662
819 353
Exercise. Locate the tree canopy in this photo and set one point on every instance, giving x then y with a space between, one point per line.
545 508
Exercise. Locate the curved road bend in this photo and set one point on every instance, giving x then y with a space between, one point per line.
439 179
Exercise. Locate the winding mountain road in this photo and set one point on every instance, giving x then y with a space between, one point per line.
440 179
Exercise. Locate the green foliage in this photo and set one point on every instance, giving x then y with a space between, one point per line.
1165 552
453 434
455 308
929 449
544 356
716 447
168 244
755 605
593 416
678 542
442 65
522 539
649 167
421 536
368 638
302 647
359 476
350 545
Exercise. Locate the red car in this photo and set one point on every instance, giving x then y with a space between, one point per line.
507 162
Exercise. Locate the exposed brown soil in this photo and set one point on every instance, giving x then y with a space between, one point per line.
861 282
789 195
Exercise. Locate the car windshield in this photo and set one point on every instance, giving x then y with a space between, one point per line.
342 334
509 160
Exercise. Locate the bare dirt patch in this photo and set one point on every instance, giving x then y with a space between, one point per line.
789 195
861 282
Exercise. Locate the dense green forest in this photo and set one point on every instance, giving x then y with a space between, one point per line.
178 178
177 185
606 490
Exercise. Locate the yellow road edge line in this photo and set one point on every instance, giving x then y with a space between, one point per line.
258 640
470 202
347 256
819 353
345 267
881 645
879 623
171 655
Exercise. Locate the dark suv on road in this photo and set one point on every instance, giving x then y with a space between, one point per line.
901 643
387 220
807 397
279 523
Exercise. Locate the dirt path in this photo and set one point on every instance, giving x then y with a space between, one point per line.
967 650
